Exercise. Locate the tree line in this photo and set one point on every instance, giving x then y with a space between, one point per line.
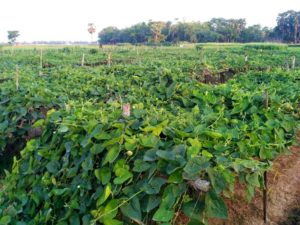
216 30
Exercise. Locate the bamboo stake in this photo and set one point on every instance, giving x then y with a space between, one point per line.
82 60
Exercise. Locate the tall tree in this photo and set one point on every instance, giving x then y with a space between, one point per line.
109 35
12 36
253 34
156 29
229 30
91 30
288 26
205 34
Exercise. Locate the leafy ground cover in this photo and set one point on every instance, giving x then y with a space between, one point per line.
83 162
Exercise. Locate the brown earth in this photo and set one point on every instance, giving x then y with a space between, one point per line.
283 196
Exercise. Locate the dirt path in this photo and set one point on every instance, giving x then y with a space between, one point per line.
283 196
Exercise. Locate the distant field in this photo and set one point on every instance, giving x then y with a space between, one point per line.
138 134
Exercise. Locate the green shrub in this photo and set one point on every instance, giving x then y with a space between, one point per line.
265 47
66 50
93 51
294 46
199 47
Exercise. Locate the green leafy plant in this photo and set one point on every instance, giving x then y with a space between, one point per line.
90 164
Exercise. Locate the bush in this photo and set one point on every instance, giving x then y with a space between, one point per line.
199 47
294 46
66 50
93 51
265 47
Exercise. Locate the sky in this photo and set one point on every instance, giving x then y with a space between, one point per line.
67 20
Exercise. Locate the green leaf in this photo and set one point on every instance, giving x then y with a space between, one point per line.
122 175
130 144
61 223
113 141
215 206
107 192
103 175
87 164
121 164
265 153
102 136
21 223
153 187
132 210
157 130
53 166
213 134
140 166
38 123
111 209
163 215
97 149
194 210
150 202
149 141
192 152
86 219
85 141
182 134
3 125
59 192
150 155
112 222
166 155
139 113
253 179
217 180
74 219
176 177
113 153
196 165
5 220
63 129
250 192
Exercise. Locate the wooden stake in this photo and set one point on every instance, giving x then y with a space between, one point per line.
266 99
82 60
138 55
17 77
293 62
287 65
109 61
41 62
265 190
265 197
41 59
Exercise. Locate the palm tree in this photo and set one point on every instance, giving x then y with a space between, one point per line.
91 30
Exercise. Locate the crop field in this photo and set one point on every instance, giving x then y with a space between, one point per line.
138 134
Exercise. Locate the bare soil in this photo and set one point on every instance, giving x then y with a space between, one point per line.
283 196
